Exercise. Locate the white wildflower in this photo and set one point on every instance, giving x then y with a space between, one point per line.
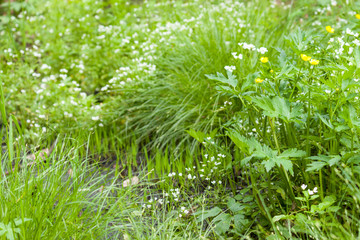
230 68
262 50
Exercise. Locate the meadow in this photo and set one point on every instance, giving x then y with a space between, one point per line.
179 119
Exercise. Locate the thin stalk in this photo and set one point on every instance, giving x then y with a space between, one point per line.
282 171
261 202
321 185
274 134
308 153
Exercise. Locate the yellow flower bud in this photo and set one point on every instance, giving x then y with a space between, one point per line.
357 16
259 80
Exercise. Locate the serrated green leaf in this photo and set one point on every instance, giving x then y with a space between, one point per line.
222 222
234 206
333 208
210 213
246 160
231 79
333 67
240 222
265 104
315 166
246 145
293 152
269 164
325 121
286 163
334 160
249 81
199 136
225 89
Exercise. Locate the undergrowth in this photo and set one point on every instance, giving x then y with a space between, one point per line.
179 119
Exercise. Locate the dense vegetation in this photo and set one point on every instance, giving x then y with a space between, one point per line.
199 119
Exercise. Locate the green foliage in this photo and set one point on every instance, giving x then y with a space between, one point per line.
179 119
11 229
230 80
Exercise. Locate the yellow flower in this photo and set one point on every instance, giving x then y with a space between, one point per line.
357 16
329 29
264 59
314 62
259 80
271 71
305 58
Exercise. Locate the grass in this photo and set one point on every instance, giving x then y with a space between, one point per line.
179 120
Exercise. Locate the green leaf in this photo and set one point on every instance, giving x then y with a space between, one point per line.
292 152
246 145
210 213
2 105
282 106
240 222
278 107
333 67
287 164
246 160
269 164
10 232
326 203
353 116
285 70
282 58
249 82
265 104
356 55
231 79
315 166
234 206
298 41
334 160
327 160
333 208
19 221
222 223
279 217
325 121
354 159
225 89
199 136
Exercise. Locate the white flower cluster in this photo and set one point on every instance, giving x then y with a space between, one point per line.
230 68
311 192
237 56
252 47
184 212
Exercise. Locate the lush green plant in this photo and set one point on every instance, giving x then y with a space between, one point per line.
296 120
